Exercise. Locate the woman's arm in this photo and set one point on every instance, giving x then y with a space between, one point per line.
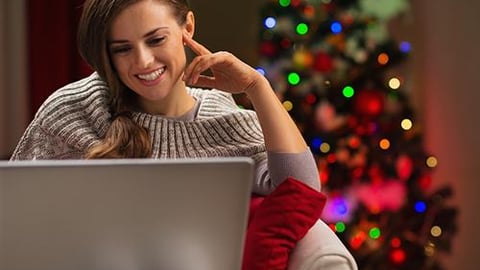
232 75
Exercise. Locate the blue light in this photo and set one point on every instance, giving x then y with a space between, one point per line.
261 71
316 142
336 27
405 47
340 207
270 22
420 207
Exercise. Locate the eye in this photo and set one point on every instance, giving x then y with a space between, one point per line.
155 41
120 49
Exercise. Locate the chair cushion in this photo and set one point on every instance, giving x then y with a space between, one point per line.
277 222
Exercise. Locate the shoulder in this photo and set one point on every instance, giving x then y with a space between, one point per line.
87 92
84 103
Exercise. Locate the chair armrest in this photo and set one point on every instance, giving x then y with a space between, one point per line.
321 249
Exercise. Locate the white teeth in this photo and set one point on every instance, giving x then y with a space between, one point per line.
152 76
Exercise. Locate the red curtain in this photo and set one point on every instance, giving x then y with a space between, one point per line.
53 59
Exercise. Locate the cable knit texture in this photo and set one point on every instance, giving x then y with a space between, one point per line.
77 116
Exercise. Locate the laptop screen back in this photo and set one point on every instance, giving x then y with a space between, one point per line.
124 214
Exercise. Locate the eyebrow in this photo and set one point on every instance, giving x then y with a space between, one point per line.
150 33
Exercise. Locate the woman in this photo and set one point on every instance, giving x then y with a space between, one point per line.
137 103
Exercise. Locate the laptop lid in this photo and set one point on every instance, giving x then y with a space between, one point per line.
124 214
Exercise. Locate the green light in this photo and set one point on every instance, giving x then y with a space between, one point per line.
302 29
374 233
284 3
340 227
293 78
348 91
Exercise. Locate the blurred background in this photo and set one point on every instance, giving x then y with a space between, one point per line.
38 55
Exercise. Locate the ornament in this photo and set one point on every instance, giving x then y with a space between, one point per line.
323 62
369 102
388 195
268 49
302 59
326 117
404 167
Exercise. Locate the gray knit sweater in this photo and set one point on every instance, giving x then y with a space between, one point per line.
77 116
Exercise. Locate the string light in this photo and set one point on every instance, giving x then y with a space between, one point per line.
270 22
288 105
374 233
293 78
261 71
436 231
383 59
336 27
420 207
432 162
340 227
405 47
396 243
284 3
348 91
384 144
324 148
406 124
316 143
394 83
398 256
302 29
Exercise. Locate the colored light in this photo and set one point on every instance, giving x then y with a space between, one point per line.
261 71
383 59
309 11
405 47
406 124
302 29
284 3
357 241
293 78
340 206
288 105
348 91
316 142
384 144
398 256
336 27
311 98
420 207
270 22
432 162
396 243
324 148
374 233
340 227
394 83
436 231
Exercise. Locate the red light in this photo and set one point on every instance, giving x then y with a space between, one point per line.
397 256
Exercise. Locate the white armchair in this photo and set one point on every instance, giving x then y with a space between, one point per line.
321 249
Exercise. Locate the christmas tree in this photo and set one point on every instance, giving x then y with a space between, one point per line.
338 72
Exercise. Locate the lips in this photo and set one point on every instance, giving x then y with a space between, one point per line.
152 75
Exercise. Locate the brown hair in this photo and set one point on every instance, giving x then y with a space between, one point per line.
124 138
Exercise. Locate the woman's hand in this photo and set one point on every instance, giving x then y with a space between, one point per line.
228 72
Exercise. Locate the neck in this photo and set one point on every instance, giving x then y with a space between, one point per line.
176 104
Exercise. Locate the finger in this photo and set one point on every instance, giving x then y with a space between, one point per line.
198 65
204 82
196 47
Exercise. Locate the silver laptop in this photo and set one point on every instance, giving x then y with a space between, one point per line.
124 214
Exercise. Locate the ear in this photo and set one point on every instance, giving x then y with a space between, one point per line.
189 28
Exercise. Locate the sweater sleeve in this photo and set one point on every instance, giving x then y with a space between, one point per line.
38 143
275 168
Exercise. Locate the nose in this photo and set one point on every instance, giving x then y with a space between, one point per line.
144 58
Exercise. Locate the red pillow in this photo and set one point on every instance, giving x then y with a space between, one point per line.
277 222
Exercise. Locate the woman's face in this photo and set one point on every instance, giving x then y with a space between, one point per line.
146 46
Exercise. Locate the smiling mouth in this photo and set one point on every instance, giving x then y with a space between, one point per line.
152 75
